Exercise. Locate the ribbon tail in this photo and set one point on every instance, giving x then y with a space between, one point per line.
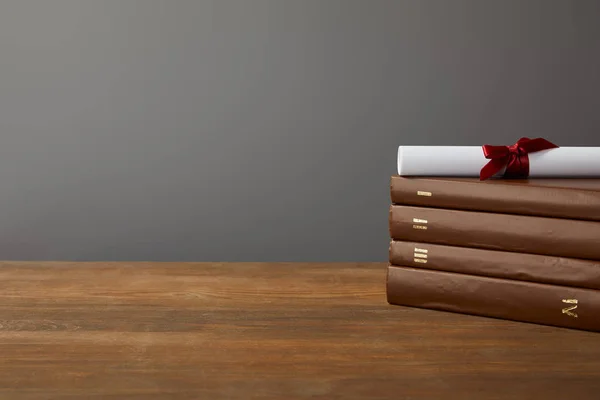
491 168
537 144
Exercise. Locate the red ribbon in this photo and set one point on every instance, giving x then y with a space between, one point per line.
515 158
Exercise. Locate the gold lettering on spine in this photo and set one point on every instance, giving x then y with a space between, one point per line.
420 193
419 223
569 310
420 255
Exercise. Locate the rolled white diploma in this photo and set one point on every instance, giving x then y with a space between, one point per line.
467 161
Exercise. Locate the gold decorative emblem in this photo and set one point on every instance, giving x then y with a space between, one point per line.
420 255
569 310
419 223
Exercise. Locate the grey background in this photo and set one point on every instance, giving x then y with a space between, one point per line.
263 130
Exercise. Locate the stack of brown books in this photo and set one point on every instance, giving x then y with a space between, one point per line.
524 250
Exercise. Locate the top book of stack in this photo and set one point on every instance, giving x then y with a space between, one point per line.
575 198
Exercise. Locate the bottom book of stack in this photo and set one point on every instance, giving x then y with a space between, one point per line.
536 289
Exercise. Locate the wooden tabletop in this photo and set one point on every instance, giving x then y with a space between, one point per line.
268 331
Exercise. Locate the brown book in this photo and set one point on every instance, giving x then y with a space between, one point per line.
498 264
504 232
576 198
531 302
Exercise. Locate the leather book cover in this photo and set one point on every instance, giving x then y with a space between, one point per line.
576 198
537 303
504 232
498 264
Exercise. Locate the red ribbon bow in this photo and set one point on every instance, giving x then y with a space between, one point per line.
515 158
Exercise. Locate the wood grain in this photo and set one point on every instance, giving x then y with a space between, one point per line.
268 331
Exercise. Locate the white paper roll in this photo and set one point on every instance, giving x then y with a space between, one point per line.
467 161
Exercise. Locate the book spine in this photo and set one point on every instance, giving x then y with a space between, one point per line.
537 303
503 232
499 264
503 198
